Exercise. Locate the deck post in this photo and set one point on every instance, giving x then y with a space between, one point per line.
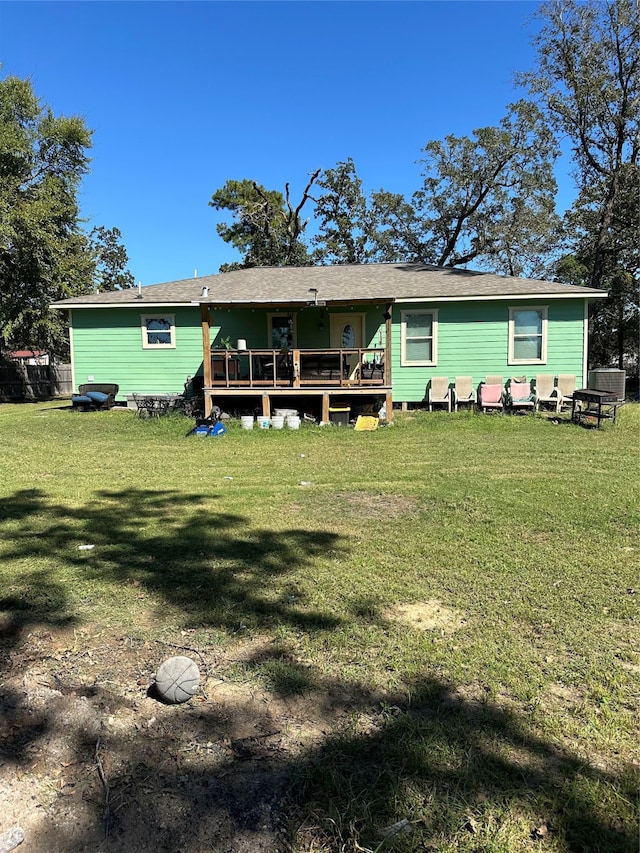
325 408
387 361
389 405
266 406
387 344
205 322
296 368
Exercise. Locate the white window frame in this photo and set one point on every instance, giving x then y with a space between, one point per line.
404 361
543 310
144 319
294 329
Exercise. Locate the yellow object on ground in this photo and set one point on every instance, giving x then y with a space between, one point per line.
366 422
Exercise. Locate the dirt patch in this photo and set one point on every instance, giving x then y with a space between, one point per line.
378 506
90 761
429 615
562 696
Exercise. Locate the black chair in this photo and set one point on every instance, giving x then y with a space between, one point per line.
283 364
191 403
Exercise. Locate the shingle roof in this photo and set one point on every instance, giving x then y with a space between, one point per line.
390 282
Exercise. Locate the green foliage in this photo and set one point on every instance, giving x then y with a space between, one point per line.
615 332
587 83
488 199
345 220
44 253
110 258
267 230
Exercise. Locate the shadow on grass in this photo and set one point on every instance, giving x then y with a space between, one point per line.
455 772
452 774
451 767
209 566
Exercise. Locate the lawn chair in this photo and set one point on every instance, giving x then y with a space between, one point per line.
546 391
95 396
372 370
519 397
494 380
566 387
191 401
147 405
491 396
439 392
463 392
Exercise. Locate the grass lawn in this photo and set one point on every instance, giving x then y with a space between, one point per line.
454 599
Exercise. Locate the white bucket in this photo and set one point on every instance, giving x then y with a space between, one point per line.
246 421
277 422
293 422
264 423
285 413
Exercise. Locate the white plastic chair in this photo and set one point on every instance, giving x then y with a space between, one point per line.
439 392
463 392
546 391
566 387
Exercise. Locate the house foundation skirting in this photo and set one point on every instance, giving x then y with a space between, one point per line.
216 396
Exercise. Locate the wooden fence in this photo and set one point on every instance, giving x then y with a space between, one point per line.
34 382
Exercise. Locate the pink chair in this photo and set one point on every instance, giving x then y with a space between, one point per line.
519 397
491 397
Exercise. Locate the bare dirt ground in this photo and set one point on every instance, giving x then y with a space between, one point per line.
91 761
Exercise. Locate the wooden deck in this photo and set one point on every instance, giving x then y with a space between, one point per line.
269 375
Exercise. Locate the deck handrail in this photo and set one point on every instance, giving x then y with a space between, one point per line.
295 367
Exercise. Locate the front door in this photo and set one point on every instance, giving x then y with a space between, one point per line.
347 330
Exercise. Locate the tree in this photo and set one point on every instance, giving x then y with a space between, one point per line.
586 81
345 220
110 259
44 253
267 229
488 199
615 333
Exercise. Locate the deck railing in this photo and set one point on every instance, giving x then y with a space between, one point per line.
357 367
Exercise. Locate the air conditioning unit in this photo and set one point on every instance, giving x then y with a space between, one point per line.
608 379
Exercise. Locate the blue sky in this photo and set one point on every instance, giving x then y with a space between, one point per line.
182 96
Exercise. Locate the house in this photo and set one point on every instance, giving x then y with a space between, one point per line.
28 356
328 335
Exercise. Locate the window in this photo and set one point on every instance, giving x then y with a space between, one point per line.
348 337
282 331
419 338
158 331
527 335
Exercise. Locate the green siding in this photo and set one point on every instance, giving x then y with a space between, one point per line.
251 325
107 344
473 340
